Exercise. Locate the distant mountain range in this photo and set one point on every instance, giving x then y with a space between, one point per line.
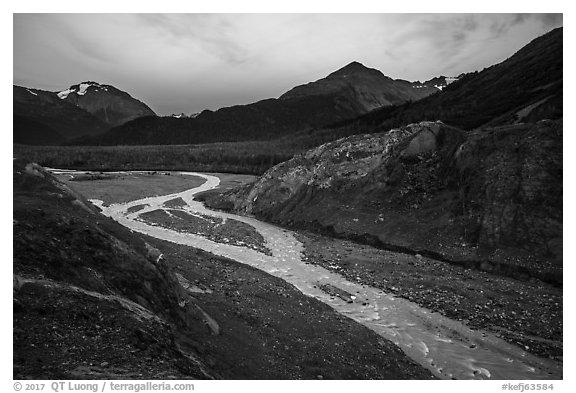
89 108
347 93
104 115
526 87
365 88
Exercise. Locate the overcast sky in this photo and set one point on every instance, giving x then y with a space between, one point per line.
190 62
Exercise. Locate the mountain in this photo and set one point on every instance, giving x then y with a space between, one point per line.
344 94
480 185
50 118
526 87
112 106
42 118
365 88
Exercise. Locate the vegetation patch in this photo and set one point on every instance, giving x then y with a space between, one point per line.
137 208
132 186
91 176
175 203
228 231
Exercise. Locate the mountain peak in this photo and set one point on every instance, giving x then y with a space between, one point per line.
353 68
106 102
354 65
364 88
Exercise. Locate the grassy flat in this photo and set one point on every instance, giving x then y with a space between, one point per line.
128 187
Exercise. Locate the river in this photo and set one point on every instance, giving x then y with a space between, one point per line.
446 347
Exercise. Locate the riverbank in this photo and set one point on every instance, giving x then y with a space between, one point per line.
524 313
270 330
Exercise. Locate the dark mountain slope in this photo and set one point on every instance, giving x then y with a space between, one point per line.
263 120
41 117
344 94
109 104
31 132
526 87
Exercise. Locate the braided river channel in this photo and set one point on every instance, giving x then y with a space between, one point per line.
447 347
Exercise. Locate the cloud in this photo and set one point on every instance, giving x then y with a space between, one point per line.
215 35
550 20
502 23
189 62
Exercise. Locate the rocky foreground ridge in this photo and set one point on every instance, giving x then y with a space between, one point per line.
489 199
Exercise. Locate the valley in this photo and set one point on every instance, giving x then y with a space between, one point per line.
351 225
318 274
94 300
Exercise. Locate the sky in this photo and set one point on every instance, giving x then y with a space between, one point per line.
190 62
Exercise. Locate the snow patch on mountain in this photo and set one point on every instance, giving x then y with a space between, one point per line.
85 85
31 92
184 116
64 93
83 88
439 83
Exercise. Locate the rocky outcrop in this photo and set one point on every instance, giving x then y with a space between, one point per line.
490 198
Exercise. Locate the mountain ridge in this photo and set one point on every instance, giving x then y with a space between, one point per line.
346 93
526 87
368 86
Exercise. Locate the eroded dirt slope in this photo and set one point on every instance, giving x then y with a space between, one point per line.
490 199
